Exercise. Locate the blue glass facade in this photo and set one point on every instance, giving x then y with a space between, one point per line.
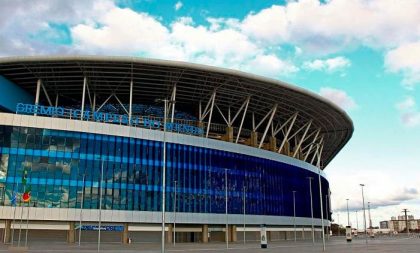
59 162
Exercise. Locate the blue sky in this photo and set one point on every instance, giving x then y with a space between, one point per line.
362 55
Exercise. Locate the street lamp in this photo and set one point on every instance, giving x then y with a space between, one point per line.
312 209
100 204
81 208
175 182
165 101
348 214
364 212
357 222
370 220
294 213
226 209
320 197
244 197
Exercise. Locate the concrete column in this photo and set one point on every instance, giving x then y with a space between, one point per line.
169 233
268 236
254 139
272 143
228 232
303 233
204 233
71 233
124 235
286 149
229 134
233 234
7 231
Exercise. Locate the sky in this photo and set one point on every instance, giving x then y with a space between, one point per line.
362 54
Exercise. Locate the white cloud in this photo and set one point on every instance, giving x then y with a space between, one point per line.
178 5
407 103
338 97
409 114
328 65
331 26
124 31
120 31
405 59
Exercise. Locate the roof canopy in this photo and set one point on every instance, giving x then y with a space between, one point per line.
228 89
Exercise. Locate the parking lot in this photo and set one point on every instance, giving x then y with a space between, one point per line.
336 244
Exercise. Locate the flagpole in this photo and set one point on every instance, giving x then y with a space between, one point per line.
14 212
27 224
21 217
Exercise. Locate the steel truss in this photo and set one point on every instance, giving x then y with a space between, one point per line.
244 103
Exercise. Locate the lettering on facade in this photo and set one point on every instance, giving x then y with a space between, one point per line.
105 117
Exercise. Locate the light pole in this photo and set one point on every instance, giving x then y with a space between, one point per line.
226 209
320 199
244 197
328 216
100 205
81 209
357 222
165 102
348 214
370 220
364 212
294 213
312 209
175 182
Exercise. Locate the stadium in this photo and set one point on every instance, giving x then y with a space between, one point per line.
85 142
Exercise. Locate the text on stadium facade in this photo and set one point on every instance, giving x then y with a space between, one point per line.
106 117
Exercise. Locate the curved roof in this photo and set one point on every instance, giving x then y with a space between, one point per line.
152 79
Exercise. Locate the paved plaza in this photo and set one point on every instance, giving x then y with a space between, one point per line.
384 244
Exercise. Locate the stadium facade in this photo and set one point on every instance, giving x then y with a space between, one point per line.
80 134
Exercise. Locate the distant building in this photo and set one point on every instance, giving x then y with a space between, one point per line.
384 224
398 224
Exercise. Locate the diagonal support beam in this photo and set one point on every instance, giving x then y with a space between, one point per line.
287 133
119 101
83 97
277 130
173 99
211 113
221 113
104 103
302 139
209 106
311 145
273 112
243 118
130 105
46 94
262 121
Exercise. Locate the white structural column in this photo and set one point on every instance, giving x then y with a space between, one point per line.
315 154
56 100
38 89
83 98
243 118
122 105
173 99
104 103
273 112
208 110
130 106
312 144
287 132
302 139
46 94
94 102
